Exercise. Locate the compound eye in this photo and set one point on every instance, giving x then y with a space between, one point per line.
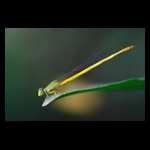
41 92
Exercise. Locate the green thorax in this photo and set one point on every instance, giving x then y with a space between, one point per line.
52 86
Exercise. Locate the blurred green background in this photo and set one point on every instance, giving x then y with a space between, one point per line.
36 56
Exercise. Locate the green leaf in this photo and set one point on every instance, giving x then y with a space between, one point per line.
129 84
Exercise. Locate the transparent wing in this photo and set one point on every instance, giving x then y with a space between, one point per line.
92 60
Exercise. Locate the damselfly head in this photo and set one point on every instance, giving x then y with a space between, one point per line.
40 92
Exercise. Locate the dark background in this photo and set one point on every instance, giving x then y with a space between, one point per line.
36 56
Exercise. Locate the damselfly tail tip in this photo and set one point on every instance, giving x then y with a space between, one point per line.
132 47
128 48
